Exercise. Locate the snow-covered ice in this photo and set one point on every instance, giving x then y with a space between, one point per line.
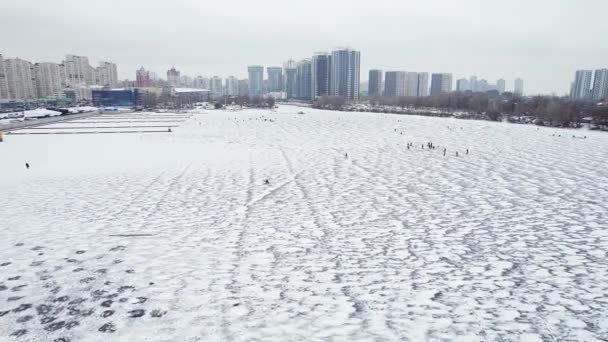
175 236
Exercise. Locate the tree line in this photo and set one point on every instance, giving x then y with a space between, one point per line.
546 110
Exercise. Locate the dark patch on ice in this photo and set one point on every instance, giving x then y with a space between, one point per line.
79 269
130 271
3 287
107 283
61 299
107 313
5 264
71 260
87 312
157 313
14 278
99 293
24 319
141 300
14 299
19 244
437 296
236 304
87 280
77 301
72 324
117 261
19 333
108 328
45 277
72 311
37 248
55 326
40 254
18 288
80 252
102 271
112 296
22 307
37 263
136 313
107 303
150 283
123 300
61 339
43 309
118 248
2 313
47 319
56 290
125 288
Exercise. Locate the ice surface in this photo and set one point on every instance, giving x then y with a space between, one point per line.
175 236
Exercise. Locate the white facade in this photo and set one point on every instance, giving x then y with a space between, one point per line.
106 74
501 86
3 80
600 85
20 79
232 86
78 70
519 86
50 78
216 86
423 84
411 84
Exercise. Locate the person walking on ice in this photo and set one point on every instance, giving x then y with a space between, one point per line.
27 166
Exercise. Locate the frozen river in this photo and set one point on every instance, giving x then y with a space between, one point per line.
175 236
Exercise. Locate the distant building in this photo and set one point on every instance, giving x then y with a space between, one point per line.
78 71
20 79
600 85
232 86
3 80
518 86
201 82
321 75
217 88
173 77
116 97
304 78
375 83
441 83
256 80
462 85
394 83
345 73
50 78
411 84
275 79
243 87
106 74
423 84
473 84
186 81
142 78
291 80
501 86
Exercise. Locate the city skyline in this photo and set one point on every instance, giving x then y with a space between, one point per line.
536 49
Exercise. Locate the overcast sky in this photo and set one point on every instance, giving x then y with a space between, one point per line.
543 41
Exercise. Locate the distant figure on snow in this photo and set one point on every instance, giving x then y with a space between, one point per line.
27 166
267 182
444 151
346 155
467 151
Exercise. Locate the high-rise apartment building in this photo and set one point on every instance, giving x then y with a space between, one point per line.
345 73
600 85
462 85
173 77
20 79
50 78
501 85
411 84
217 87
3 80
518 86
142 78
423 84
291 79
375 83
321 75
441 83
304 78
232 86
78 71
275 79
395 83
256 80
106 74
244 87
